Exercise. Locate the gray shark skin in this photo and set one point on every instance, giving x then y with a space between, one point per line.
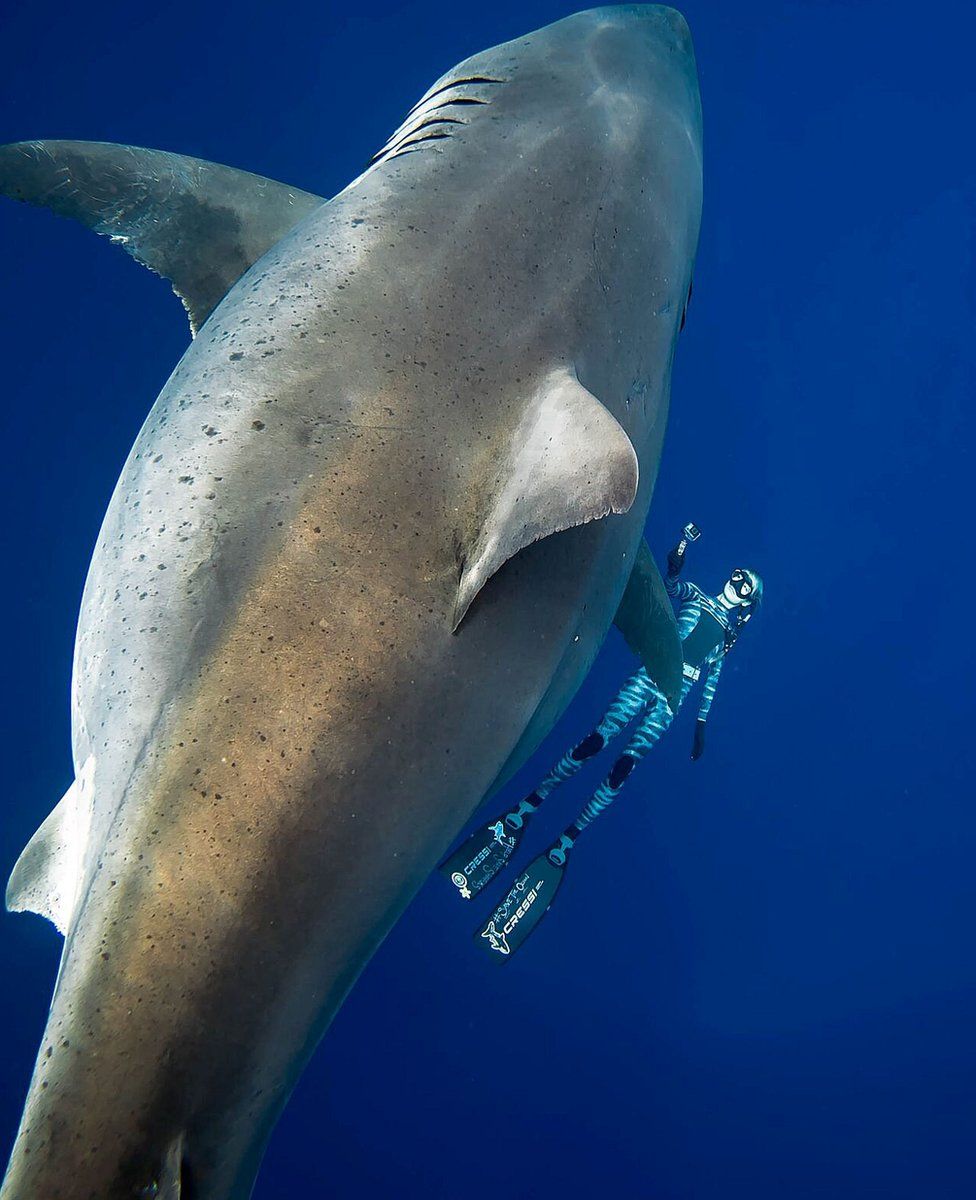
361 556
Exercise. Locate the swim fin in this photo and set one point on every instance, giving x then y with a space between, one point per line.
528 901
479 859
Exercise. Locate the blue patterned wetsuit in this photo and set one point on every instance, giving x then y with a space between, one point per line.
707 631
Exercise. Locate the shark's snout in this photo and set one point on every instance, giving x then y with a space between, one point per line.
660 18
629 43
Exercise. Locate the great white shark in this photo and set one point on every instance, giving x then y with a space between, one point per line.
362 554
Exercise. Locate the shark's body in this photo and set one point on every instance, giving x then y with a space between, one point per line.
307 648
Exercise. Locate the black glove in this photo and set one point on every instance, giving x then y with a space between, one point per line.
698 749
676 560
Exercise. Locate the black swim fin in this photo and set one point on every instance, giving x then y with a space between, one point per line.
527 902
479 859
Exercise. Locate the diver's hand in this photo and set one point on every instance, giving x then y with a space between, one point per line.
676 558
698 749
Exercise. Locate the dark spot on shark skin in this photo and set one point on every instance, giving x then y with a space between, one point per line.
257 424
236 356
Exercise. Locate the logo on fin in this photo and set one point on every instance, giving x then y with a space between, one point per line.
461 883
496 940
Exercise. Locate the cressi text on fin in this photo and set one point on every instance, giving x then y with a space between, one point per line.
527 902
481 856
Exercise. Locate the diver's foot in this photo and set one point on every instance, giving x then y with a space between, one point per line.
529 899
481 856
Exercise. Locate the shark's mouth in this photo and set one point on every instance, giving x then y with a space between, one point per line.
437 115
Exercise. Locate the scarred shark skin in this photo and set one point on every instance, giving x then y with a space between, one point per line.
281 727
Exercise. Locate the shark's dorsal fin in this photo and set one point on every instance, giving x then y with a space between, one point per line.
646 619
46 879
569 462
196 223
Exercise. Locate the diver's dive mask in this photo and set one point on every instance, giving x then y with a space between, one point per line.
744 589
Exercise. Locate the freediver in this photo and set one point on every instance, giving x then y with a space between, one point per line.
708 628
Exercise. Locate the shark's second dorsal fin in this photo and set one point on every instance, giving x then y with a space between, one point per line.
569 462
46 879
196 223
646 619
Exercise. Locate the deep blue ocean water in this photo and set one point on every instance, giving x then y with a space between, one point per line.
759 979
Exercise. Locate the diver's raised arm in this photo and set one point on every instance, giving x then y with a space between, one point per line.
676 561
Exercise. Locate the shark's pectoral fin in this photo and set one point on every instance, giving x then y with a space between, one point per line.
196 223
569 462
46 879
646 619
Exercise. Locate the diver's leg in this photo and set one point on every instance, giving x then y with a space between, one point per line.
646 736
631 698
534 891
483 854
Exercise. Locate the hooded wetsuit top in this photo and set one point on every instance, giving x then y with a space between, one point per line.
703 626
706 637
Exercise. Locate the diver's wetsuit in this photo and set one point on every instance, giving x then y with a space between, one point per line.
707 631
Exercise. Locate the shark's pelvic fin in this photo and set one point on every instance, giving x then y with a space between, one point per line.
196 223
646 619
569 462
46 879
169 1186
